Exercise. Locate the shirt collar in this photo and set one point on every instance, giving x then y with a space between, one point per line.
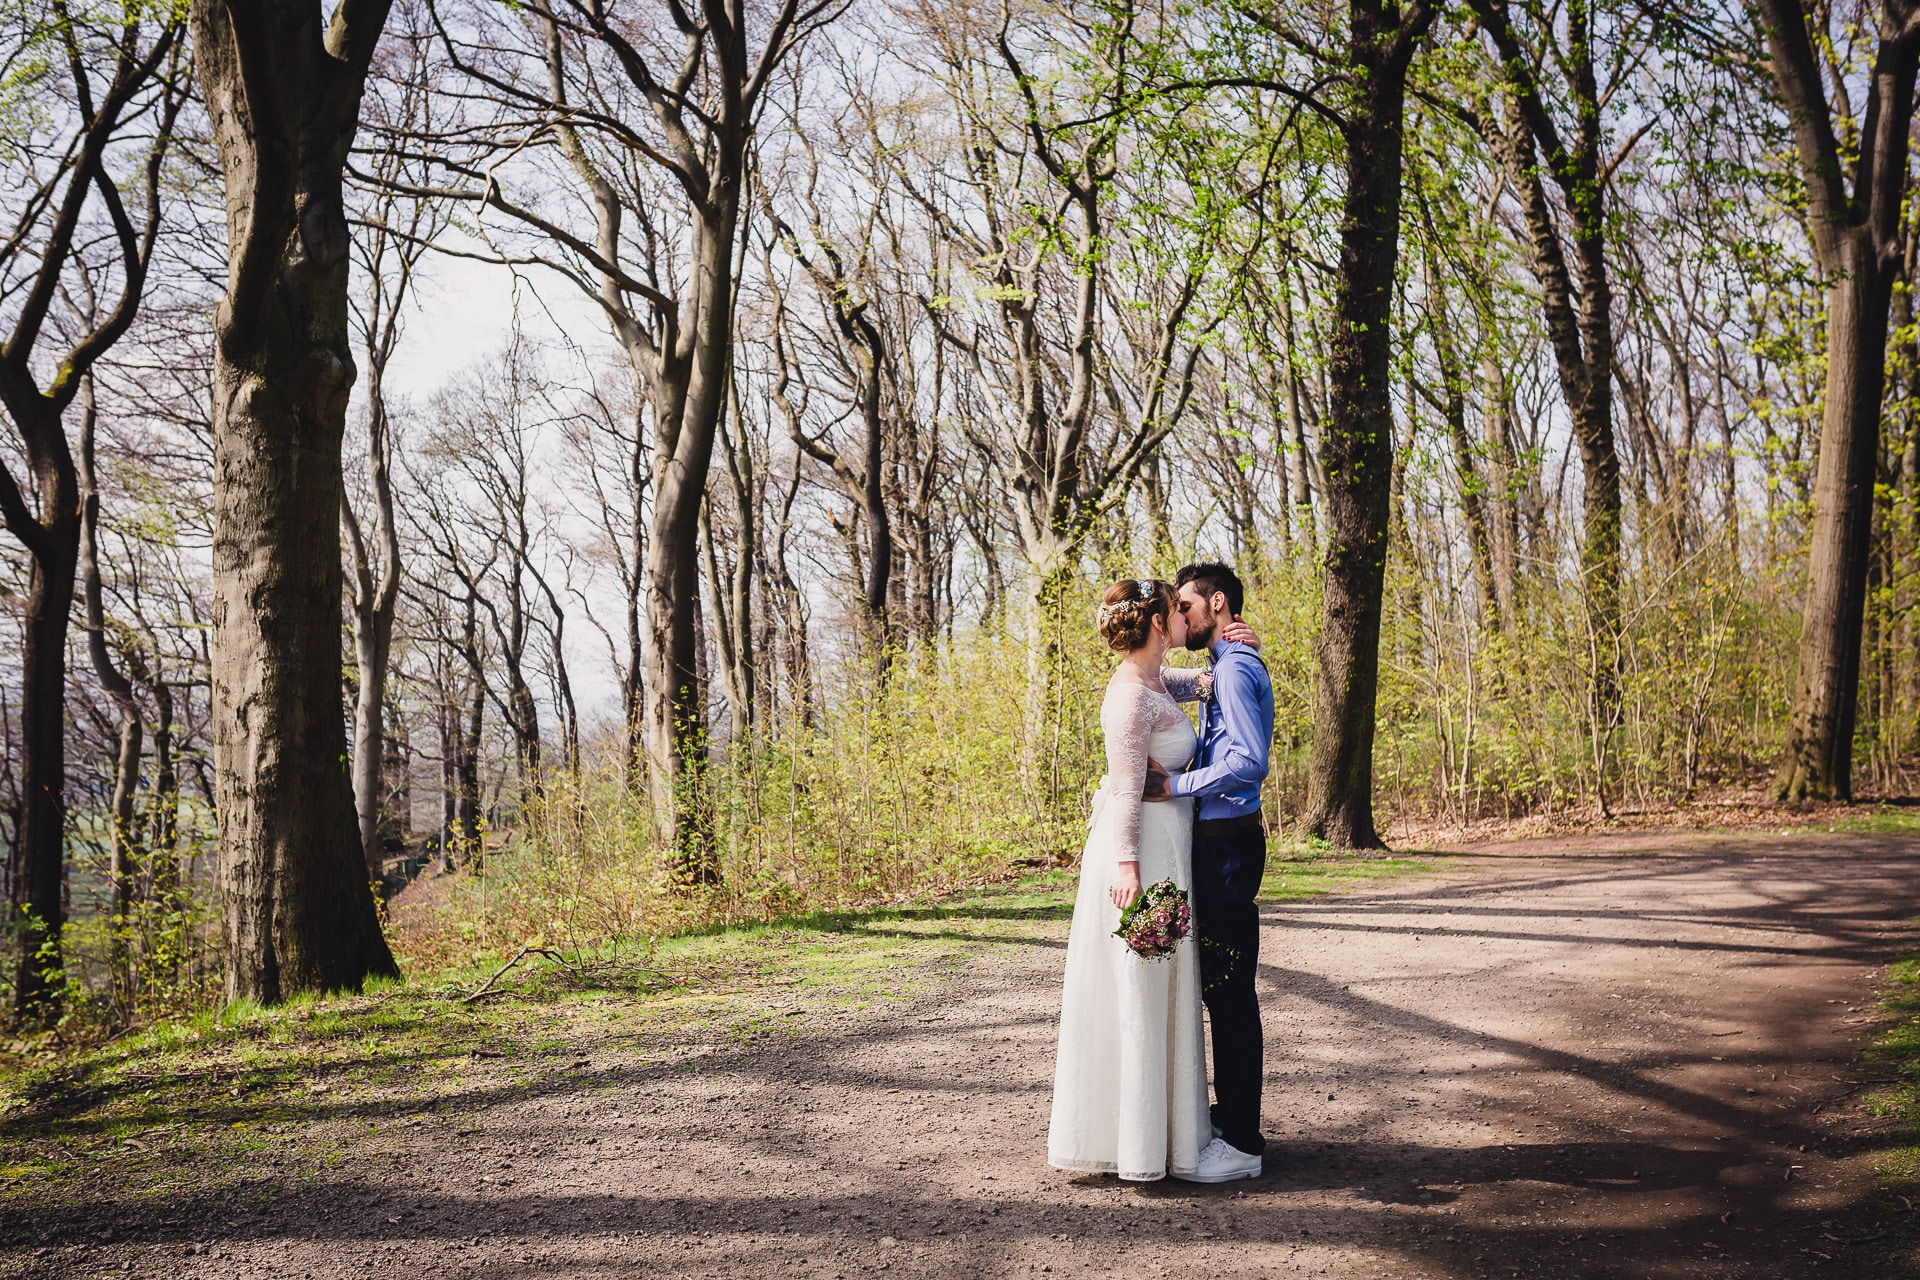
1218 649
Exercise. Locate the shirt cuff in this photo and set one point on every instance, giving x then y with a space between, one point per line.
1177 785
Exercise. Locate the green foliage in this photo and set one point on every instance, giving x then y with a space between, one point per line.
1475 723
161 958
896 788
26 76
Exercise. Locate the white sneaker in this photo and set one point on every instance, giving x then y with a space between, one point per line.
1220 1162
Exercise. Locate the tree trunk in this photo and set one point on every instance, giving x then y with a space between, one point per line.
675 699
791 609
163 799
686 423
873 486
40 977
123 859
466 812
1496 436
1153 495
523 713
1043 584
562 682
1579 320
372 642
374 594
465 723
1856 238
283 91
1357 447
460 801
1299 494
633 692
732 583
1819 759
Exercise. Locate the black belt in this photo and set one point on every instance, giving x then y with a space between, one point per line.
1227 826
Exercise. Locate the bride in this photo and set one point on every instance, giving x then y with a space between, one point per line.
1130 1081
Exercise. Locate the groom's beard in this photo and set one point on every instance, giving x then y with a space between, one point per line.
1200 634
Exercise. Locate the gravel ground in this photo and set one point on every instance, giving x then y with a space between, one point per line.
1599 1057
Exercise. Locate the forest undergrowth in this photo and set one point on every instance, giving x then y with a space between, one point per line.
883 785
929 776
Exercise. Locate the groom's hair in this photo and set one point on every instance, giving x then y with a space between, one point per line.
1211 576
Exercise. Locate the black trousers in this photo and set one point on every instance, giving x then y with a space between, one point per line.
1226 876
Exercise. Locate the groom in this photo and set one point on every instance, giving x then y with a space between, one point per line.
1229 859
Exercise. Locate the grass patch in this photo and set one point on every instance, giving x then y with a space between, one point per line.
1892 1063
1880 820
1301 871
1895 1058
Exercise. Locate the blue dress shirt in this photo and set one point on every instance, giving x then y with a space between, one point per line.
1235 732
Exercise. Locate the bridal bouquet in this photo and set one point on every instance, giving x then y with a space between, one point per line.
1153 922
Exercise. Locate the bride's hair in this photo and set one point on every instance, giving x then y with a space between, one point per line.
1128 609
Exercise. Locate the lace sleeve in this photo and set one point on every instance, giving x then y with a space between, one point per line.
1183 683
1127 718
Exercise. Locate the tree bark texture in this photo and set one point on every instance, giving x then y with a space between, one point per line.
372 645
1819 758
1857 240
163 798
39 977
732 583
1357 447
283 92
1496 438
686 421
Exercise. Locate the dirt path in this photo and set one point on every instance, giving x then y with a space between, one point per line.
1611 1057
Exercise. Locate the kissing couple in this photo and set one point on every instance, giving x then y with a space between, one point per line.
1130 1079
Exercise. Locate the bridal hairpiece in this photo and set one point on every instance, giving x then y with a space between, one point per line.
1125 608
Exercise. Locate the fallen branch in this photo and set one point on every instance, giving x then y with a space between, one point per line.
486 988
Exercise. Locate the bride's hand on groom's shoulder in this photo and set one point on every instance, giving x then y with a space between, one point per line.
1240 633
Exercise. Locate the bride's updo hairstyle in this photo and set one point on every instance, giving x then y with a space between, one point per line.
1128 609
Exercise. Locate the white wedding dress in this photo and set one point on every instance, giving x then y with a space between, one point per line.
1130 1081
